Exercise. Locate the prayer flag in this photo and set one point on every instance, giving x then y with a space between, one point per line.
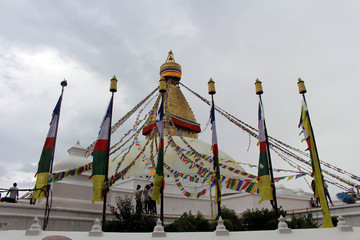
100 157
264 180
305 125
47 154
159 175
215 155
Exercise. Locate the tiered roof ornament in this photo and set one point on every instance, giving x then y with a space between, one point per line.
170 68
179 109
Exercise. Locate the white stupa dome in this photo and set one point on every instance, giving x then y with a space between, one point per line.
75 159
171 158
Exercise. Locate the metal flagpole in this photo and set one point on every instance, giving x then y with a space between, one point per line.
302 91
113 89
162 90
259 91
211 88
48 187
211 205
217 181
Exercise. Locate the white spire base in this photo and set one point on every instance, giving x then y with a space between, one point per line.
96 229
282 226
35 228
342 225
221 229
158 230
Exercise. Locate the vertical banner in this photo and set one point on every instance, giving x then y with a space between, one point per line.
305 125
159 175
100 156
215 154
263 168
47 154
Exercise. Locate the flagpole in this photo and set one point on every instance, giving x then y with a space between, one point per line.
47 190
162 90
63 85
259 91
113 89
217 180
212 91
211 205
302 91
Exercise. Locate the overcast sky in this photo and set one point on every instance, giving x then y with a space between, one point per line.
234 42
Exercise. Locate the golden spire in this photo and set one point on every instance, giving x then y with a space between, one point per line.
170 57
178 107
170 68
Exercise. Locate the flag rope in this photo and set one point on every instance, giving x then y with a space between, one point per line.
90 148
252 131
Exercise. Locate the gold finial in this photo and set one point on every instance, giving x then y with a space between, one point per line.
162 86
113 84
301 85
170 68
211 86
170 57
258 87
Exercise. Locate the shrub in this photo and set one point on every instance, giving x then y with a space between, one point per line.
303 222
128 219
229 215
228 224
334 220
189 223
261 219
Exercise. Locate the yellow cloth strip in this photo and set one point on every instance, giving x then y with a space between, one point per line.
98 187
327 222
157 186
265 188
41 182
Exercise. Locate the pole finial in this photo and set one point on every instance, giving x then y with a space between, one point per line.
113 84
258 87
63 83
211 86
162 85
301 85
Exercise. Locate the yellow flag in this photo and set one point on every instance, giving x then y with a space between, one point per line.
309 137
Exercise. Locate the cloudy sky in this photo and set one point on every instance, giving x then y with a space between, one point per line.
234 42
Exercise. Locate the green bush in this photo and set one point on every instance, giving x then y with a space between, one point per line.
228 224
334 220
230 215
129 219
172 227
303 222
261 219
189 223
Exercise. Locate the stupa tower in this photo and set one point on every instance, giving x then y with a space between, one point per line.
179 109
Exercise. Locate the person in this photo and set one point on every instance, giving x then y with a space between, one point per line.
312 203
327 193
138 193
14 194
152 202
32 200
317 199
146 198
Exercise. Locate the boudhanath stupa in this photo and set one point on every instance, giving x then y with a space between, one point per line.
188 168
186 165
